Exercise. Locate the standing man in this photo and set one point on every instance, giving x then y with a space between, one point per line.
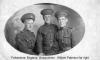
46 42
64 34
25 40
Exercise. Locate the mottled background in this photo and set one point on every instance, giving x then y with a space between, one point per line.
89 10
14 24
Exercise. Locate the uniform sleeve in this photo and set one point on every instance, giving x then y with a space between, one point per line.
60 45
70 31
16 39
71 38
21 46
39 41
19 41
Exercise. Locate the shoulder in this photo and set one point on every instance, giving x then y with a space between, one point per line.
69 29
19 34
55 26
41 28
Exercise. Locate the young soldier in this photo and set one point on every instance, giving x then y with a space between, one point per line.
64 34
25 40
46 42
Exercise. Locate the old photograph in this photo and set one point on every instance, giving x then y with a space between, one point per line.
44 29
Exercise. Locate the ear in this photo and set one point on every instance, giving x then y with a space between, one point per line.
43 17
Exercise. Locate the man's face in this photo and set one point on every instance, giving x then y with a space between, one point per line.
47 18
28 24
62 21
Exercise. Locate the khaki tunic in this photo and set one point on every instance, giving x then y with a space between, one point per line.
25 41
46 41
64 36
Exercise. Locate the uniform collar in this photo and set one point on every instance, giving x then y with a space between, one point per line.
47 24
26 29
61 28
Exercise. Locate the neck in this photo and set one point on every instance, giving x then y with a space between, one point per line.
27 29
63 26
47 23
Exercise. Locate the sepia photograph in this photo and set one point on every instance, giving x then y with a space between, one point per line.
44 29
49 30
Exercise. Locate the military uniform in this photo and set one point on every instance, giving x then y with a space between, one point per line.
64 34
25 39
46 41
64 37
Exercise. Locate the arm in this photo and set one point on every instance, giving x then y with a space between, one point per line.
21 45
58 41
70 45
16 43
71 40
39 42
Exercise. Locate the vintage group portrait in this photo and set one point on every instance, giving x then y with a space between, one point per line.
44 29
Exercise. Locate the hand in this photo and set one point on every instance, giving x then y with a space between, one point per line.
41 54
67 48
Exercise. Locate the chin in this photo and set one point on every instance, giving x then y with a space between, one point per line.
63 26
48 23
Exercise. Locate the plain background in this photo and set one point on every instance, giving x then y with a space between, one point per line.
87 9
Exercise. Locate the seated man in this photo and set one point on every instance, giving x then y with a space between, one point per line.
25 40
63 35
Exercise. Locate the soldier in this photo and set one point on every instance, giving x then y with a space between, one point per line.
46 43
64 34
25 40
